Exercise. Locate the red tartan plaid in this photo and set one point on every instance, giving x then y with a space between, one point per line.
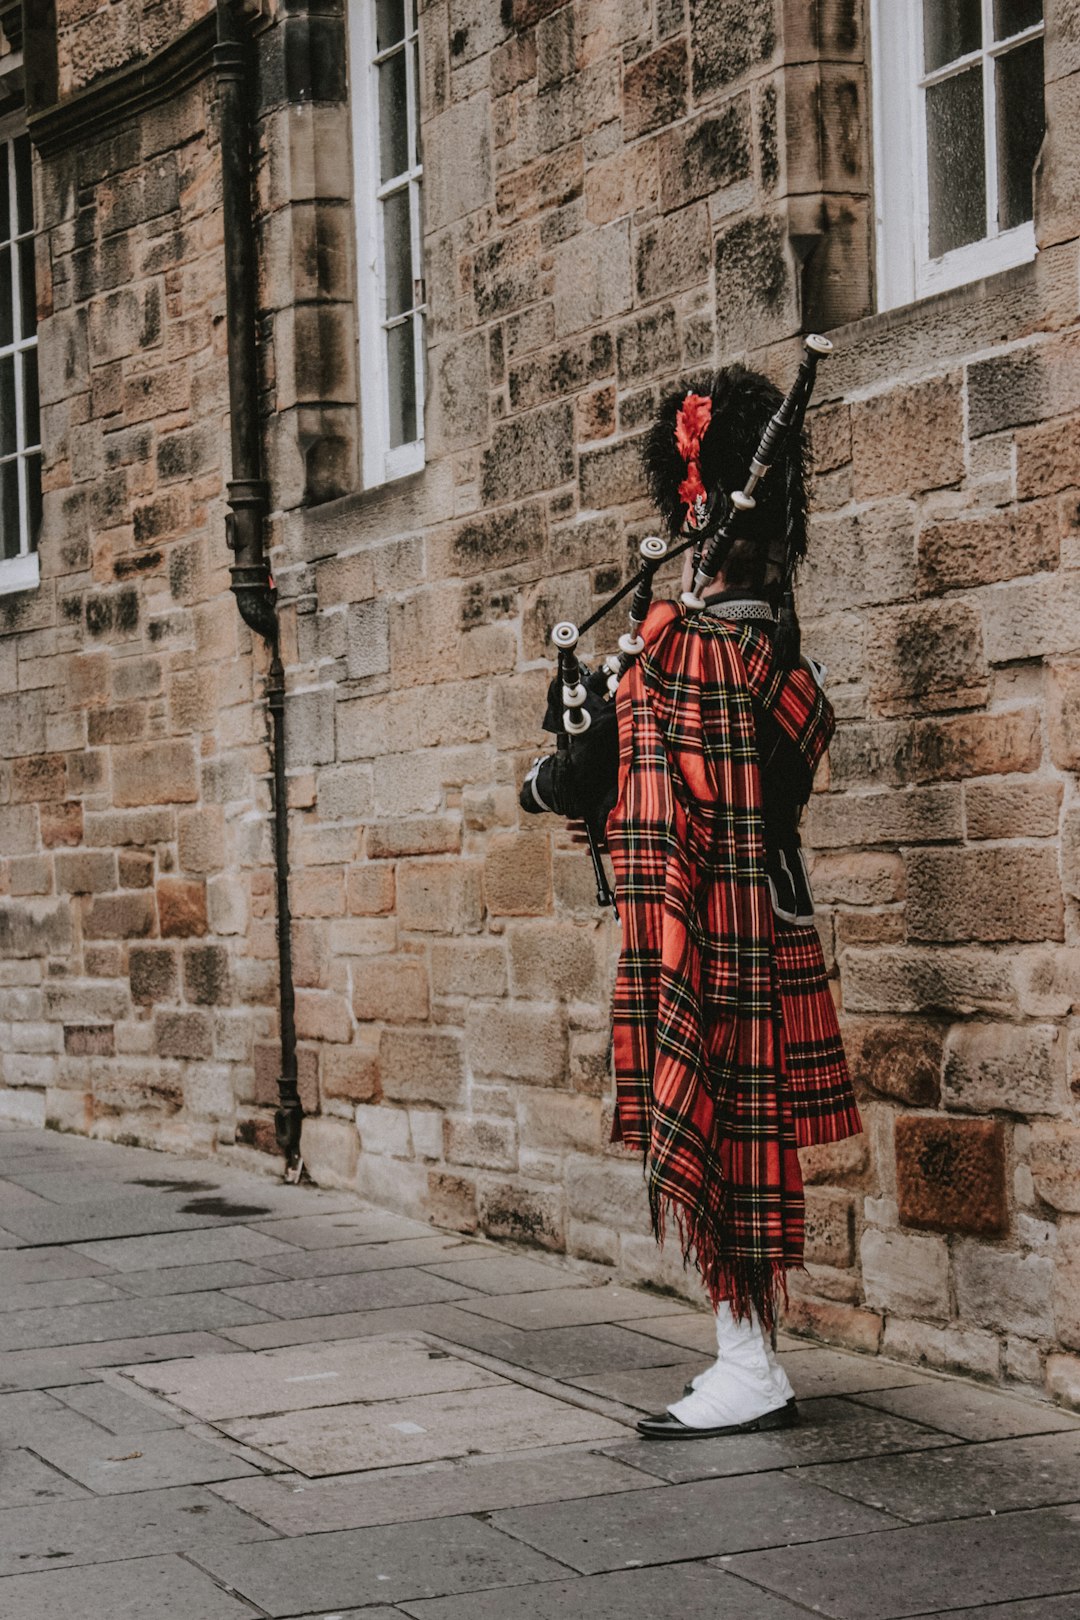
727 1049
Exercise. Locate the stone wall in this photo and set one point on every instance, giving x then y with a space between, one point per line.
618 194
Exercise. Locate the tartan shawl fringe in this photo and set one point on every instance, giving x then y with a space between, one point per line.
727 1050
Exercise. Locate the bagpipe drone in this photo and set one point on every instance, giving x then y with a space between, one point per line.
579 780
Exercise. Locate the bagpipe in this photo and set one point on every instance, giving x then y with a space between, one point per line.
579 780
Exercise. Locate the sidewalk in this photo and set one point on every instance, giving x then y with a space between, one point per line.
223 1397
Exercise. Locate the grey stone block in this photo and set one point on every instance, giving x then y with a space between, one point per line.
676 1592
971 1413
830 1430
83 1324
373 1256
75 1363
677 1522
114 1409
363 1291
174 1249
192 1279
430 1559
506 1274
926 1567
567 1307
47 1265
294 1507
25 1479
167 1588
352 1225
112 1464
649 1389
93 1530
63 1291
963 1481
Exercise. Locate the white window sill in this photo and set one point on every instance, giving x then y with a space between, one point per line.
394 464
19 574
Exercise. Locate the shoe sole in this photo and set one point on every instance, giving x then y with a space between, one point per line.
784 1417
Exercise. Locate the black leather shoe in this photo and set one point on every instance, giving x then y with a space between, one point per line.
664 1426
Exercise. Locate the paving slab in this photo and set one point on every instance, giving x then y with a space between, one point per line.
309 1574
164 1250
22 1414
833 1372
47 1265
568 1307
1054 1608
416 1251
34 1296
114 1409
95 1529
346 1325
166 1588
925 1568
297 1506
275 1381
25 1479
124 1217
352 1291
509 1274
109 1464
963 1481
346 1439
350 1226
693 1330
971 1413
555 1352
190 1279
677 1522
74 1363
676 1592
831 1429
124 1318
647 1389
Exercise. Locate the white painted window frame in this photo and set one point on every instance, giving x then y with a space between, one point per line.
21 573
381 463
905 272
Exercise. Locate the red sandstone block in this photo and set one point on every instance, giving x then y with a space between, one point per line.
950 1174
181 907
393 988
119 916
899 1058
38 776
61 823
154 773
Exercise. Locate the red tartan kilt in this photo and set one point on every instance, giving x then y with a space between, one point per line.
817 1082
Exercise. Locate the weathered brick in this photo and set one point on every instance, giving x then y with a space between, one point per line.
441 896
896 1058
516 1040
119 916
906 1273
908 439
393 988
928 656
154 773
181 907
998 893
1005 809
422 1066
655 89
511 1209
950 1174
985 547
517 875
1009 1292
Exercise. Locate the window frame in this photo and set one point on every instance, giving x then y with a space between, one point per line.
905 272
22 572
381 463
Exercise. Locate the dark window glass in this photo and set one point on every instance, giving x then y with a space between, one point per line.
31 410
393 118
5 195
24 188
33 499
7 328
951 28
956 169
9 509
397 246
401 368
1010 16
389 23
27 297
8 437
1020 125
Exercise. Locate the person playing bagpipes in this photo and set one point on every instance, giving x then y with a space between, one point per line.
695 767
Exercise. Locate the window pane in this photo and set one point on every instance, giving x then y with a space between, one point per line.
955 161
27 299
33 499
393 117
1010 16
7 332
951 28
8 438
397 249
5 194
24 186
401 370
1020 128
9 509
31 412
389 23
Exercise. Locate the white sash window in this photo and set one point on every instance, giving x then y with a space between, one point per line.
958 122
20 419
385 89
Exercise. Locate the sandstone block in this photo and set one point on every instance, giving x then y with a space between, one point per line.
611 475
517 875
383 1130
898 1058
153 973
207 980
1012 1293
1008 808
556 372
756 293
905 1272
908 980
988 546
516 1040
1063 1379
498 539
457 175
422 1066
468 967
861 560
367 652
609 1192
830 1228
370 889
183 1035
1063 713
394 988
85 872
908 439
451 1201
1067 1285
560 1122
154 773
490 1144
60 824
135 869
530 452
834 1163
558 959
320 892
998 893
840 1324
1013 1067
331 1150
506 273
181 907
655 90
593 279
349 1072
1033 618
226 903
89 1040
119 916
950 1174
853 878
1047 458
928 656
440 896
918 815
37 777
523 1213
1030 384
432 835
201 835
1054 1157
727 39
644 343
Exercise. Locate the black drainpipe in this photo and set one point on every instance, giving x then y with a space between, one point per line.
248 496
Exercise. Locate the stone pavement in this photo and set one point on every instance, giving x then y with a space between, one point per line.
223 1397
